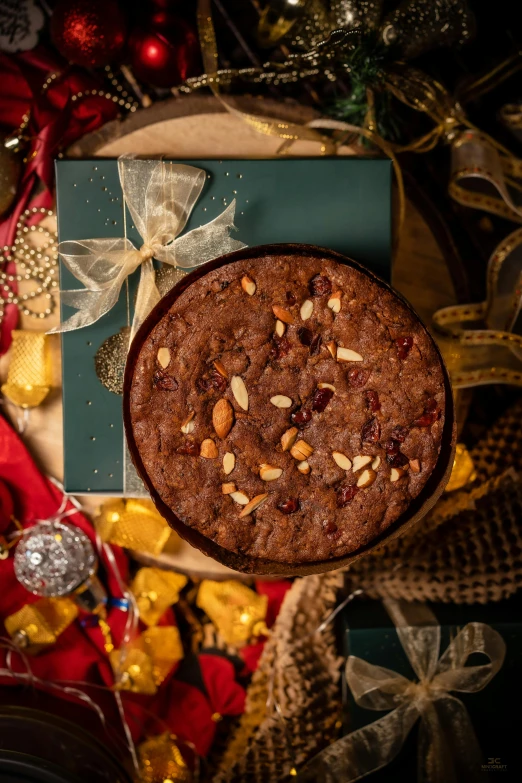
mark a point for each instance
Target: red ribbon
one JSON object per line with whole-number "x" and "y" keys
{"x": 56, "y": 122}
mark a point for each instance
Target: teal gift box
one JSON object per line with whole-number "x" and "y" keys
{"x": 367, "y": 632}
{"x": 340, "y": 203}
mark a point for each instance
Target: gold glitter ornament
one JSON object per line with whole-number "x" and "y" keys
{"x": 110, "y": 360}
{"x": 417, "y": 26}
{"x": 38, "y": 625}
{"x": 134, "y": 524}
{"x": 161, "y": 760}
{"x": 238, "y": 612}
{"x": 463, "y": 471}
{"x": 155, "y": 590}
{"x": 29, "y": 376}
{"x": 145, "y": 663}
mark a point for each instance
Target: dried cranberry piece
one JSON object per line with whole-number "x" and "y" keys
{"x": 305, "y": 336}
{"x": 371, "y": 431}
{"x": 280, "y": 348}
{"x": 192, "y": 449}
{"x": 164, "y": 382}
{"x": 202, "y": 385}
{"x": 404, "y": 345}
{"x": 217, "y": 381}
{"x": 320, "y": 286}
{"x": 346, "y": 494}
{"x": 358, "y": 378}
{"x": 431, "y": 405}
{"x": 316, "y": 345}
{"x": 372, "y": 400}
{"x": 399, "y": 433}
{"x": 391, "y": 446}
{"x": 397, "y": 460}
{"x": 430, "y": 416}
{"x": 302, "y": 416}
{"x": 290, "y": 298}
{"x": 288, "y": 506}
{"x": 321, "y": 399}
{"x": 330, "y": 529}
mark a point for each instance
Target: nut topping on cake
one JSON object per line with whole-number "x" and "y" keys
{"x": 280, "y": 328}
{"x": 222, "y": 418}
{"x": 303, "y": 467}
{"x": 360, "y": 461}
{"x": 332, "y": 348}
{"x": 396, "y": 474}
{"x": 415, "y": 466}
{"x": 284, "y": 315}
{"x": 188, "y": 424}
{"x": 239, "y": 391}
{"x": 164, "y": 357}
{"x": 254, "y": 503}
{"x": 229, "y": 462}
{"x": 281, "y": 401}
{"x": 288, "y": 438}
{"x": 301, "y": 450}
{"x": 220, "y": 368}
{"x": 347, "y": 355}
{"x": 334, "y": 303}
{"x": 228, "y": 489}
{"x": 307, "y": 309}
{"x": 208, "y": 449}
{"x": 342, "y": 460}
{"x": 239, "y": 497}
{"x": 248, "y": 285}
{"x": 366, "y": 478}
{"x": 269, "y": 472}
{"x": 376, "y": 463}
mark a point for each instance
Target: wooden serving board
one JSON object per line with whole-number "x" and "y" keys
{"x": 199, "y": 127}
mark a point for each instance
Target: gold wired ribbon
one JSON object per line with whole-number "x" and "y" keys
{"x": 479, "y": 342}
{"x": 448, "y": 750}
{"x": 160, "y": 197}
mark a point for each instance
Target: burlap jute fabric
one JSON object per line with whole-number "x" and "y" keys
{"x": 469, "y": 548}
{"x": 294, "y": 699}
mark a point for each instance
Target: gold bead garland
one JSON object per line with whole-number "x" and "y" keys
{"x": 36, "y": 264}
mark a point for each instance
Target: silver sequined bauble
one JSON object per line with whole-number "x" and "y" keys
{"x": 54, "y": 558}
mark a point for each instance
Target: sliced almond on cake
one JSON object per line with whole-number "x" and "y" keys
{"x": 188, "y": 424}
{"x": 332, "y": 348}
{"x": 269, "y": 472}
{"x": 220, "y": 368}
{"x": 284, "y": 315}
{"x": 347, "y": 355}
{"x": 163, "y": 357}
{"x": 301, "y": 450}
{"x": 366, "y": 478}
{"x": 229, "y": 462}
{"x": 334, "y": 303}
{"x": 248, "y": 285}
{"x": 228, "y": 489}
{"x": 254, "y": 503}
{"x": 208, "y": 449}
{"x": 239, "y": 391}
{"x": 415, "y": 466}
{"x": 280, "y": 328}
{"x": 306, "y": 310}
{"x": 326, "y": 386}
{"x": 281, "y": 401}
{"x": 341, "y": 460}
{"x": 360, "y": 461}
{"x": 303, "y": 467}
{"x": 288, "y": 438}
{"x": 396, "y": 474}
{"x": 239, "y": 497}
{"x": 222, "y": 418}
{"x": 376, "y": 463}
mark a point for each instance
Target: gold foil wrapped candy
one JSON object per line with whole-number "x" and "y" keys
{"x": 161, "y": 761}
{"x": 38, "y": 625}
{"x": 463, "y": 471}
{"x": 145, "y": 663}
{"x": 155, "y": 590}
{"x": 29, "y": 377}
{"x": 134, "y": 524}
{"x": 237, "y": 611}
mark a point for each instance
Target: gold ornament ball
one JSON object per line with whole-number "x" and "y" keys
{"x": 9, "y": 175}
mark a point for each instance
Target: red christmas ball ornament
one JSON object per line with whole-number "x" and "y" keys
{"x": 165, "y": 52}
{"x": 90, "y": 33}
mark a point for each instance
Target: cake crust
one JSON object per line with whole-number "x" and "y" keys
{"x": 249, "y": 320}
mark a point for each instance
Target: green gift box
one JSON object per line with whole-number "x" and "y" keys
{"x": 341, "y": 203}
{"x": 368, "y": 633}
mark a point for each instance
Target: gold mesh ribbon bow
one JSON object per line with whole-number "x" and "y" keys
{"x": 448, "y": 749}
{"x": 155, "y": 590}
{"x": 237, "y": 611}
{"x": 38, "y": 625}
{"x": 142, "y": 666}
{"x": 29, "y": 376}
{"x": 160, "y": 197}
{"x": 133, "y": 524}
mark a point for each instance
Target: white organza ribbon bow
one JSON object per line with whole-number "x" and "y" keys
{"x": 448, "y": 750}
{"x": 160, "y": 197}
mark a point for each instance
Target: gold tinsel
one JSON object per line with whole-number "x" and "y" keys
{"x": 145, "y": 663}
{"x": 155, "y": 591}
{"x": 38, "y": 625}
{"x": 237, "y": 611}
{"x": 134, "y": 524}
{"x": 161, "y": 761}
{"x": 28, "y": 380}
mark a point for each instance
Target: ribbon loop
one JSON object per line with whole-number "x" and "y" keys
{"x": 160, "y": 197}
{"x": 448, "y": 748}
